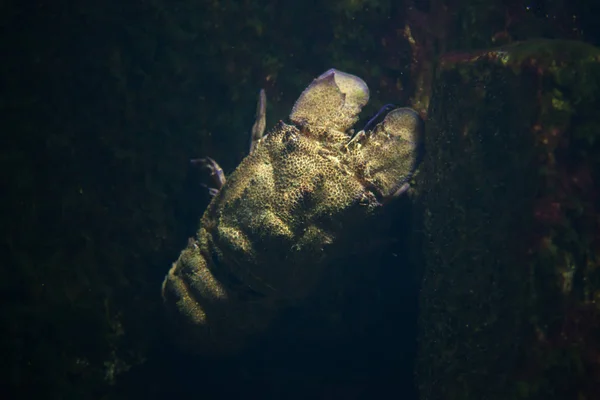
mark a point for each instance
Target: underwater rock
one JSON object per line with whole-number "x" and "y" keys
{"x": 509, "y": 188}
{"x": 304, "y": 196}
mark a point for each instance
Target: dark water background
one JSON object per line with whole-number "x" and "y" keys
{"x": 104, "y": 103}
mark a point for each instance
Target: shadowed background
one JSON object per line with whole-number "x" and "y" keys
{"x": 102, "y": 107}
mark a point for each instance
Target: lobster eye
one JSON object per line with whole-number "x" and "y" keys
{"x": 290, "y": 139}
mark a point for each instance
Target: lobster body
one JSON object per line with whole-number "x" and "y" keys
{"x": 303, "y": 197}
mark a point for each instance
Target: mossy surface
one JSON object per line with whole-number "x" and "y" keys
{"x": 508, "y": 186}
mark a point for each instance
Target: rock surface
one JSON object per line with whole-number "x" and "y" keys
{"x": 509, "y": 304}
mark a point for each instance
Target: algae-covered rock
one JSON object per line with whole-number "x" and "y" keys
{"x": 509, "y": 194}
